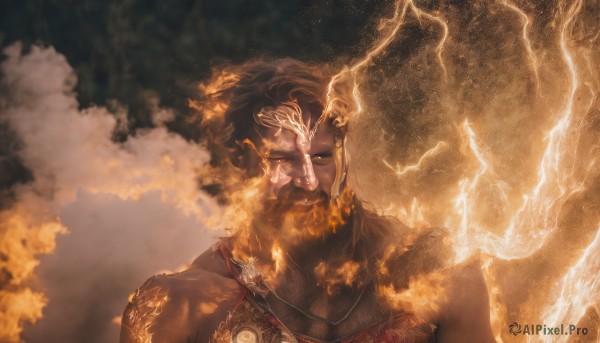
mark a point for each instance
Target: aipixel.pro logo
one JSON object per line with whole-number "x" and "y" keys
{"x": 545, "y": 330}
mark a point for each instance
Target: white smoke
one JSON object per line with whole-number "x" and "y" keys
{"x": 131, "y": 209}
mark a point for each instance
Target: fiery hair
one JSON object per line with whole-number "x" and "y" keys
{"x": 233, "y": 95}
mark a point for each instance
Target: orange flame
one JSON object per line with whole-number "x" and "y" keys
{"x": 533, "y": 219}
{"x": 421, "y": 298}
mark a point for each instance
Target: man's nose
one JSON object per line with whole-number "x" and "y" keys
{"x": 305, "y": 177}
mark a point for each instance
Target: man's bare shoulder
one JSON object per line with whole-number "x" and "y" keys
{"x": 181, "y": 307}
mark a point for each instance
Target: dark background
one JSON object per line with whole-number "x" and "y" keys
{"x": 126, "y": 50}
{"x": 132, "y": 50}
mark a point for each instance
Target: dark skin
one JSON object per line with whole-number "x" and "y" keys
{"x": 302, "y": 175}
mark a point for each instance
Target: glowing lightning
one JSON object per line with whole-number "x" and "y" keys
{"x": 440, "y": 47}
{"x": 577, "y": 290}
{"x": 436, "y": 150}
{"x": 462, "y": 202}
{"x": 397, "y": 20}
{"x": 538, "y": 215}
{"x": 532, "y": 58}
{"x": 540, "y": 202}
{"x": 396, "y": 23}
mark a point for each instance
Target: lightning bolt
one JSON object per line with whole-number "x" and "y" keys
{"x": 390, "y": 28}
{"x": 577, "y": 290}
{"x": 533, "y": 60}
{"x": 428, "y": 155}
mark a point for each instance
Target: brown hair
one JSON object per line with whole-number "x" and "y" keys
{"x": 234, "y": 94}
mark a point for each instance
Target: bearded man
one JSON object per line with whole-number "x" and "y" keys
{"x": 306, "y": 261}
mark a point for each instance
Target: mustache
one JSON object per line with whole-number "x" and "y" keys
{"x": 292, "y": 194}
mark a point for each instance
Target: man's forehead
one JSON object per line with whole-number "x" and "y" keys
{"x": 279, "y": 139}
{"x": 282, "y": 139}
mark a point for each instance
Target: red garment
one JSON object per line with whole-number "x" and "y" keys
{"x": 249, "y": 317}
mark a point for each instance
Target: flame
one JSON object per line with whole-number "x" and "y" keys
{"x": 498, "y": 309}
{"x": 148, "y": 305}
{"x": 22, "y": 238}
{"x": 71, "y": 151}
{"x": 18, "y": 307}
{"x": 413, "y": 216}
{"x": 214, "y": 109}
{"x": 344, "y": 275}
{"x": 506, "y": 223}
{"x": 277, "y": 257}
{"x": 422, "y": 298}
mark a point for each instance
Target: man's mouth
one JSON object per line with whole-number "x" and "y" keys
{"x": 305, "y": 201}
{"x": 308, "y": 202}
{"x": 300, "y": 201}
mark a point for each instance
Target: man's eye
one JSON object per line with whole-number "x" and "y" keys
{"x": 321, "y": 157}
{"x": 280, "y": 159}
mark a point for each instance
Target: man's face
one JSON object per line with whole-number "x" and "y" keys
{"x": 301, "y": 169}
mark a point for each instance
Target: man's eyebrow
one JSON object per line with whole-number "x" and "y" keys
{"x": 323, "y": 147}
{"x": 323, "y": 151}
{"x": 281, "y": 152}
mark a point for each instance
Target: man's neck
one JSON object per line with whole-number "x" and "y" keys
{"x": 315, "y": 257}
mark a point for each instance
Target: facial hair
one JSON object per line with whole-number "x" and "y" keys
{"x": 298, "y": 217}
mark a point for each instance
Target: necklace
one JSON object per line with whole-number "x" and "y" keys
{"x": 316, "y": 317}
{"x": 252, "y": 278}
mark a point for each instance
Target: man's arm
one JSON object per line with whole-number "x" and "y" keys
{"x": 465, "y": 316}
{"x": 155, "y": 313}
{"x": 179, "y": 308}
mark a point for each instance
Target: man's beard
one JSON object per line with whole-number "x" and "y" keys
{"x": 296, "y": 216}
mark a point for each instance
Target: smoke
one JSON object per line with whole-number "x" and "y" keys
{"x": 478, "y": 115}
{"x": 119, "y": 212}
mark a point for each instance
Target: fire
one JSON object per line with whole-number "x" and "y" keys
{"x": 413, "y": 215}
{"x": 513, "y": 202}
{"x": 71, "y": 152}
{"x": 277, "y": 257}
{"x": 18, "y": 307}
{"x": 332, "y": 278}
{"x": 214, "y": 109}
{"x": 148, "y": 305}
{"x": 22, "y": 239}
{"x": 422, "y": 298}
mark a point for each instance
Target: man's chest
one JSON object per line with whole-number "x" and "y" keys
{"x": 252, "y": 322}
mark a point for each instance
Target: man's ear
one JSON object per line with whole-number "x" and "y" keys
{"x": 248, "y": 158}
{"x": 237, "y": 158}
